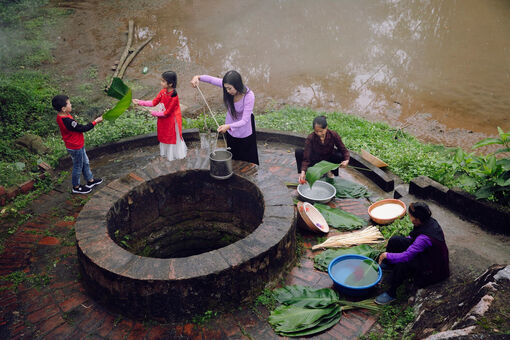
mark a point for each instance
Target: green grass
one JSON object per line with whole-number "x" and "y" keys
{"x": 393, "y": 319}
{"x": 25, "y": 24}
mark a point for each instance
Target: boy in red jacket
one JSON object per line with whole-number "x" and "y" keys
{"x": 72, "y": 134}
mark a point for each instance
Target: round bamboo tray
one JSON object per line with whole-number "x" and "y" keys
{"x": 382, "y": 202}
{"x": 312, "y": 217}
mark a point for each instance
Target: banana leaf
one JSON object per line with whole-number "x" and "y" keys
{"x": 118, "y": 89}
{"x": 322, "y": 260}
{"x": 348, "y": 189}
{"x": 303, "y": 313}
{"x": 301, "y": 296}
{"x": 325, "y": 322}
{"x": 117, "y": 110}
{"x": 318, "y": 170}
{"x": 288, "y": 320}
{"x": 340, "y": 219}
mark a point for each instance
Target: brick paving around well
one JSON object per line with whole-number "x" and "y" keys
{"x": 52, "y": 303}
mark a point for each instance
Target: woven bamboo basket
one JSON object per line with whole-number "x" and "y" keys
{"x": 312, "y": 218}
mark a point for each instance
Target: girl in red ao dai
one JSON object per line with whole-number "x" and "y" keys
{"x": 171, "y": 143}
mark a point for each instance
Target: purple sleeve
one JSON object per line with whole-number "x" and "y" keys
{"x": 418, "y": 246}
{"x": 249, "y": 101}
{"x": 211, "y": 80}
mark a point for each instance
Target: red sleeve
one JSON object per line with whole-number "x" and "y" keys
{"x": 156, "y": 100}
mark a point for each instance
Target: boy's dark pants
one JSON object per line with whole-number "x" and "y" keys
{"x": 336, "y": 158}
{"x": 401, "y": 271}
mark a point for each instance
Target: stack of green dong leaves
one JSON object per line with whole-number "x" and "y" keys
{"x": 305, "y": 311}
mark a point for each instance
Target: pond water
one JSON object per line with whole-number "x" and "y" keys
{"x": 392, "y": 60}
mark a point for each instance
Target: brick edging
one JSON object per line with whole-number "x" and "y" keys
{"x": 376, "y": 175}
{"x": 128, "y": 143}
{"x": 10, "y": 193}
{"x": 493, "y": 216}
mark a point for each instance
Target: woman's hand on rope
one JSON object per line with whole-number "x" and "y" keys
{"x": 223, "y": 128}
{"x": 195, "y": 81}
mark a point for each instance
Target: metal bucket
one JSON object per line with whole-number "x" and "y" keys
{"x": 220, "y": 164}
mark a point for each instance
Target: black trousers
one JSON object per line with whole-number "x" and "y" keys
{"x": 244, "y": 149}
{"x": 336, "y": 157}
{"x": 401, "y": 271}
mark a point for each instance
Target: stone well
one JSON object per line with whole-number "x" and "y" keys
{"x": 168, "y": 241}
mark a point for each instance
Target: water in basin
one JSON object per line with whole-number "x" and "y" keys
{"x": 355, "y": 272}
{"x": 318, "y": 192}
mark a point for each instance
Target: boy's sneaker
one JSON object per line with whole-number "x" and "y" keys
{"x": 93, "y": 183}
{"x": 81, "y": 190}
{"x": 384, "y": 299}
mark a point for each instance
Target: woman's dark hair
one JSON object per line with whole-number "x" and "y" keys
{"x": 59, "y": 101}
{"x": 171, "y": 78}
{"x": 321, "y": 121}
{"x": 420, "y": 210}
{"x": 233, "y": 78}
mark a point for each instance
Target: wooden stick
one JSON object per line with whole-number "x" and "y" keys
{"x": 126, "y": 50}
{"x": 131, "y": 56}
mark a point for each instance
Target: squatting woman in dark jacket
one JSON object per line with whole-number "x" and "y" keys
{"x": 422, "y": 255}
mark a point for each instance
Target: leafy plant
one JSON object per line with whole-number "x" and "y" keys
{"x": 504, "y": 139}
{"x": 322, "y": 260}
{"x": 402, "y": 227}
{"x": 486, "y": 176}
{"x": 340, "y": 219}
{"x": 393, "y": 320}
{"x": 18, "y": 277}
{"x": 201, "y": 319}
{"x": 305, "y": 311}
{"x": 315, "y": 172}
{"x": 267, "y": 299}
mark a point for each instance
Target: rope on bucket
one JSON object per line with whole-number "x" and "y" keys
{"x": 214, "y": 118}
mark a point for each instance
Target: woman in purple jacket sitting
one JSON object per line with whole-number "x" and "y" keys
{"x": 239, "y": 123}
{"x": 422, "y": 255}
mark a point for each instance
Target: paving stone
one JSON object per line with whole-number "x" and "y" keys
{"x": 50, "y": 324}
{"x": 43, "y": 314}
{"x": 72, "y": 302}
{"x": 96, "y": 322}
{"x": 121, "y": 330}
{"x": 64, "y": 331}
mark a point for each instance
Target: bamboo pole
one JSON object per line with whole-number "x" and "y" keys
{"x": 126, "y": 50}
{"x": 131, "y": 56}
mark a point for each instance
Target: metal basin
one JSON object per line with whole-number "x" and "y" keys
{"x": 321, "y": 192}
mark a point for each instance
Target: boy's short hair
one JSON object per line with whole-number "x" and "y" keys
{"x": 59, "y": 101}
